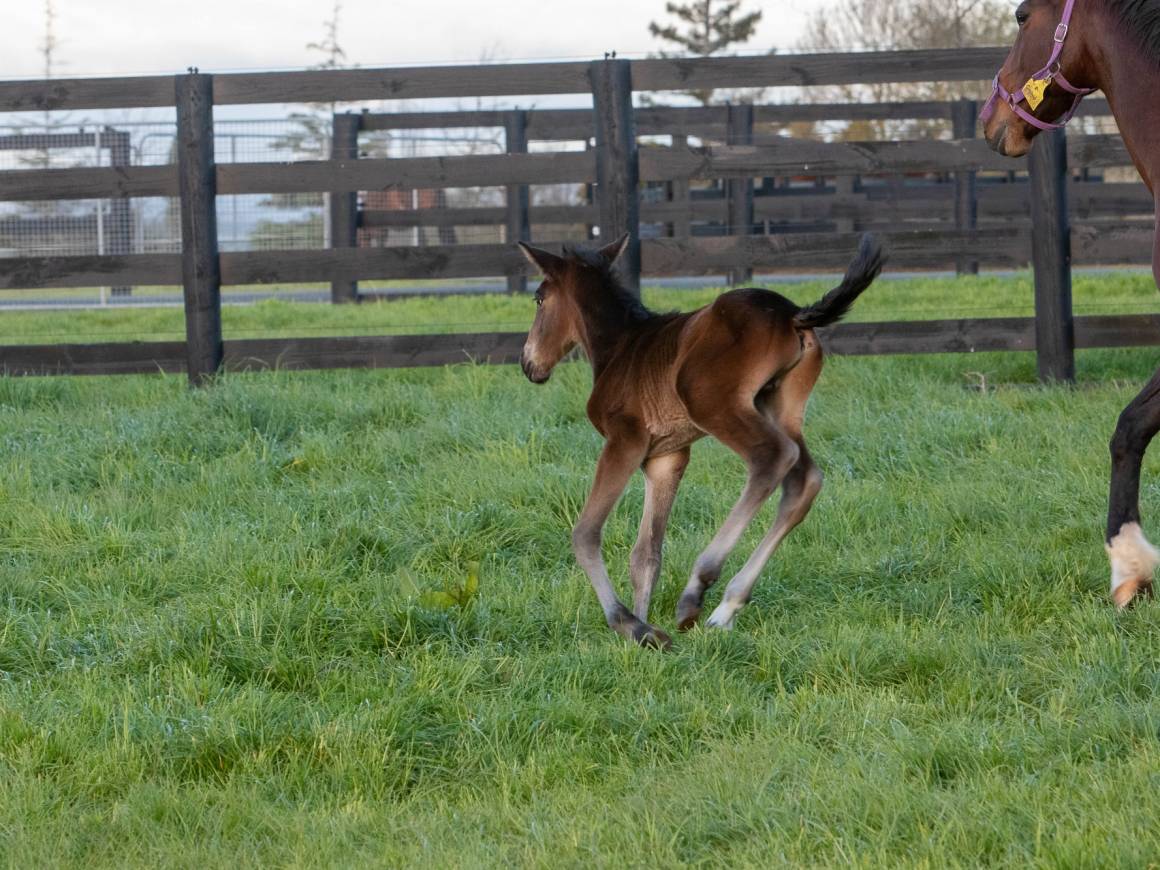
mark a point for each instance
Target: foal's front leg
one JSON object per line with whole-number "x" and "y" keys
{"x": 662, "y": 476}
{"x": 618, "y": 461}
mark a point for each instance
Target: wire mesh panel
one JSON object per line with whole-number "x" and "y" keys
{"x": 255, "y": 222}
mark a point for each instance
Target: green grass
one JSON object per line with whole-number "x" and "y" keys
{"x": 904, "y": 299}
{"x": 214, "y": 652}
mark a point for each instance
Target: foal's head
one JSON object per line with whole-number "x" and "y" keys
{"x": 1040, "y": 27}
{"x": 569, "y": 282}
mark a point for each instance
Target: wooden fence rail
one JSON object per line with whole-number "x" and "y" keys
{"x": 397, "y": 351}
{"x": 1005, "y": 247}
{"x": 548, "y": 125}
{"x": 496, "y": 80}
{"x": 788, "y": 157}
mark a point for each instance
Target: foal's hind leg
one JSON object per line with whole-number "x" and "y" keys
{"x": 1133, "y": 558}
{"x": 769, "y": 453}
{"x": 618, "y": 461}
{"x": 799, "y": 489}
{"x": 662, "y": 476}
{"x": 801, "y": 486}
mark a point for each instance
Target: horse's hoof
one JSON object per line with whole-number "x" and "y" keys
{"x": 1134, "y": 561}
{"x": 651, "y": 637}
{"x": 688, "y": 612}
{"x": 1131, "y": 591}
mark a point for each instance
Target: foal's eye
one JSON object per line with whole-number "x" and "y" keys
{"x": 539, "y": 300}
{"x": 1021, "y": 16}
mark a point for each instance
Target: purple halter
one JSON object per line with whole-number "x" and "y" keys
{"x": 1051, "y": 72}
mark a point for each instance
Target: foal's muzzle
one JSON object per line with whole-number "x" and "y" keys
{"x": 533, "y": 374}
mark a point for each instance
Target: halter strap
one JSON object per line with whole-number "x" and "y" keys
{"x": 1050, "y": 72}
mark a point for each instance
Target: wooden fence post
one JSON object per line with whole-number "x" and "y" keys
{"x": 617, "y": 163}
{"x": 344, "y": 203}
{"x": 518, "y": 223}
{"x": 120, "y": 212}
{"x": 589, "y": 194}
{"x": 739, "y": 191}
{"x": 1051, "y": 258}
{"x": 963, "y": 125}
{"x": 200, "y": 267}
{"x": 845, "y": 188}
{"x": 682, "y": 226}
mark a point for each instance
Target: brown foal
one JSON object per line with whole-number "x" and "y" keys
{"x": 740, "y": 369}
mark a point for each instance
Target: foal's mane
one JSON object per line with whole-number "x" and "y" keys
{"x": 1141, "y": 18}
{"x": 625, "y": 299}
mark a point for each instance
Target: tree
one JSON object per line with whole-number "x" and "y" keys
{"x": 48, "y": 50}
{"x": 885, "y": 25}
{"x": 704, "y": 28}
{"x": 310, "y": 137}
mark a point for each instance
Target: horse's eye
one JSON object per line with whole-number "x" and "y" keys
{"x": 539, "y": 300}
{"x": 1021, "y": 16}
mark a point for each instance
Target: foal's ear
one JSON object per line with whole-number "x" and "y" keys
{"x": 546, "y": 261}
{"x": 612, "y": 252}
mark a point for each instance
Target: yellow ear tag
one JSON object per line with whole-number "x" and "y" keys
{"x": 1034, "y": 91}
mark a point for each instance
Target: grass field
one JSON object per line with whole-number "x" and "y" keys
{"x": 219, "y": 645}
{"x": 905, "y": 299}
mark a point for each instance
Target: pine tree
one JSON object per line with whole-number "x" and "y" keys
{"x": 48, "y": 52}
{"x": 704, "y": 28}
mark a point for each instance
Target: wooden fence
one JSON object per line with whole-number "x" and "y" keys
{"x": 616, "y": 166}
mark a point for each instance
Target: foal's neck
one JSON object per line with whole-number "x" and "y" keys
{"x": 609, "y": 316}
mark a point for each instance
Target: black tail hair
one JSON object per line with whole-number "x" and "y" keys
{"x": 836, "y": 304}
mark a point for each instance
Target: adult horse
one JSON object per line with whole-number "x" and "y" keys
{"x": 1067, "y": 49}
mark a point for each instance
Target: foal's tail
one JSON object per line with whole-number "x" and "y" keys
{"x": 834, "y": 305}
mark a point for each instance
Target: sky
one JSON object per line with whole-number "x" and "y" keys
{"x": 103, "y": 37}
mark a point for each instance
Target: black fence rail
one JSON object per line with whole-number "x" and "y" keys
{"x": 960, "y": 223}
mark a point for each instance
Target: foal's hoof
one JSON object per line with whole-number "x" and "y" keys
{"x": 688, "y": 612}
{"x": 628, "y": 626}
{"x": 651, "y": 637}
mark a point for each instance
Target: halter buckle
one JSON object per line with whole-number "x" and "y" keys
{"x": 1061, "y": 32}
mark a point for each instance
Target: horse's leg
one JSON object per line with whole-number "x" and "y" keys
{"x": 662, "y": 476}
{"x": 769, "y": 454}
{"x": 1133, "y": 558}
{"x": 799, "y": 489}
{"x": 618, "y": 461}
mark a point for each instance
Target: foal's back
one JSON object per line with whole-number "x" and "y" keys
{"x": 735, "y": 347}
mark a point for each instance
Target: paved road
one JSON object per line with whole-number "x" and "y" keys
{"x": 48, "y": 302}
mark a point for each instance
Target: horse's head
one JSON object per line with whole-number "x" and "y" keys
{"x": 559, "y": 323}
{"x": 1047, "y": 71}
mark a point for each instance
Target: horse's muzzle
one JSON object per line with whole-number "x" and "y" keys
{"x": 998, "y": 139}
